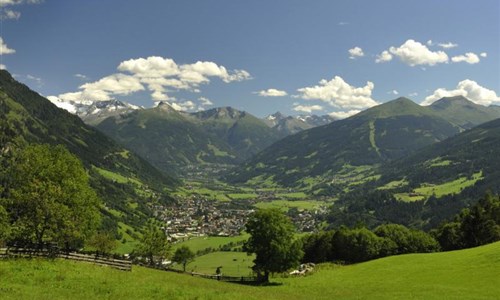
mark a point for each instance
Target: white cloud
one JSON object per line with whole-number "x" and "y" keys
{"x": 469, "y": 57}
{"x": 307, "y": 108}
{"x": 116, "y": 84}
{"x": 448, "y": 45}
{"x": 343, "y": 114}
{"x": 430, "y": 43}
{"x": 157, "y": 74}
{"x": 483, "y": 54}
{"x": 414, "y": 53}
{"x": 393, "y": 92}
{"x": 4, "y": 49}
{"x": 205, "y": 102}
{"x": 8, "y": 14}
{"x": 383, "y": 57}
{"x": 356, "y": 52}
{"x": 338, "y": 93}
{"x": 3, "y": 67}
{"x": 272, "y": 93}
{"x": 153, "y": 66}
{"x": 161, "y": 74}
{"x": 343, "y": 23}
{"x": 414, "y": 94}
{"x": 81, "y": 76}
{"x": 467, "y": 88}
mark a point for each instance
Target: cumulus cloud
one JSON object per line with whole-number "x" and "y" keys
{"x": 9, "y": 14}
{"x": 4, "y": 49}
{"x": 307, "y": 108}
{"x": 271, "y": 93}
{"x": 343, "y": 114}
{"x": 483, "y": 54}
{"x": 338, "y": 93}
{"x": 356, "y": 52}
{"x": 119, "y": 84}
{"x": 469, "y": 57}
{"x": 413, "y": 53}
{"x": 467, "y": 88}
{"x": 448, "y": 45}
{"x": 158, "y": 75}
{"x": 3, "y": 67}
{"x": 383, "y": 57}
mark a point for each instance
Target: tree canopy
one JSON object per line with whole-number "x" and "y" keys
{"x": 272, "y": 240}
{"x": 48, "y": 197}
{"x": 183, "y": 255}
{"x": 154, "y": 245}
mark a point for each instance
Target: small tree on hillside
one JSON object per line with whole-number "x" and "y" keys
{"x": 103, "y": 242}
{"x": 183, "y": 255}
{"x": 154, "y": 245}
{"x": 272, "y": 240}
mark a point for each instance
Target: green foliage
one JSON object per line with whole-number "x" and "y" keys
{"x": 154, "y": 245}
{"x": 473, "y": 227}
{"x": 49, "y": 197}
{"x": 361, "y": 244}
{"x": 4, "y": 225}
{"x": 407, "y": 240}
{"x": 272, "y": 240}
{"x": 183, "y": 255}
{"x": 103, "y": 242}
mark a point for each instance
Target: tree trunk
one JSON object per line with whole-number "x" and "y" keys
{"x": 266, "y": 276}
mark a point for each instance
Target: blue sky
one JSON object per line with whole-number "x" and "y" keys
{"x": 297, "y": 57}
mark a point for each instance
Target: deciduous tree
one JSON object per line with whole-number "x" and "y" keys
{"x": 272, "y": 239}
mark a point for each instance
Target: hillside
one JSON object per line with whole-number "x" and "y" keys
{"x": 464, "y": 274}
{"x": 471, "y": 152}
{"x": 377, "y": 135}
{"x": 124, "y": 181}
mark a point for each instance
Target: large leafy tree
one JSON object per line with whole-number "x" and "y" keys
{"x": 154, "y": 245}
{"x": 48, "y": 197}
{"x": 272, "y": 239}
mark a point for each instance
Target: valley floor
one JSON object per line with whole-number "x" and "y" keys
{"x": 466, "y": 274}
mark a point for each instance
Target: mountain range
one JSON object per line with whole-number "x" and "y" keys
{"x": 373, "y": 137}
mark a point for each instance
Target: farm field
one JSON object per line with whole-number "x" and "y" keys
{"x": 464, "y": 274}
{"x": 232, "y": 263}
{"x": 200, "y": 243}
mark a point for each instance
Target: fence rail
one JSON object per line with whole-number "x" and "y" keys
{"x": 124, "y": 265}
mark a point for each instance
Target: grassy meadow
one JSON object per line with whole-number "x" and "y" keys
{"x": 464, "y": 274}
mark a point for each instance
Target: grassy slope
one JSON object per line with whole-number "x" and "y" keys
{"x": 466, "y": 274}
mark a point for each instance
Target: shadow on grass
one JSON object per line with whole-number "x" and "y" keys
{"x": 256, "y": 283}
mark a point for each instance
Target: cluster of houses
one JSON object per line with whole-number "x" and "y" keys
{"x": 199, "y": 216}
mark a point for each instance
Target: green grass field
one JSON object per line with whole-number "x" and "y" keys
{"x": 439, "y": 190}
{"x": 465, "y": 274}
{"x": 214, "y": 242}
{"x": 232, "y": 263}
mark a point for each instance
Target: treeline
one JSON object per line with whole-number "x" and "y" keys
{"x": 360, "y": 244}
{"x": 472, "y": 227}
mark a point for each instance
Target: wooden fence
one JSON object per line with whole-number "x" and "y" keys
{"x": 124, "y": 265}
